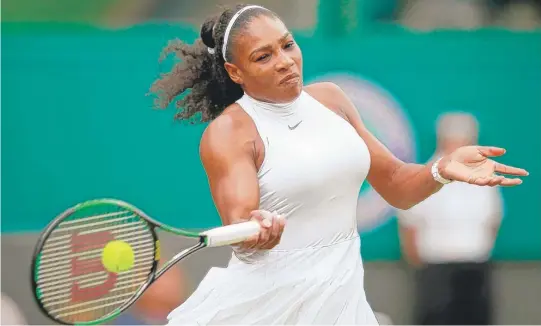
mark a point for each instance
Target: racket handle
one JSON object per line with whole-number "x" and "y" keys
{"x": 230, "y": 234}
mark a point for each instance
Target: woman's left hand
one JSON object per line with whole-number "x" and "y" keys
{"x": 472, "y": 164}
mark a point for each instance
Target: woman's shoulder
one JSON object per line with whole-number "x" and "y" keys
{"x": 322, "y": 86}
{"x": 232, "y": 121}
{"x": 231, "y": 129}
{"x": 327, "y": 93}
{"x": 330, "y": 95}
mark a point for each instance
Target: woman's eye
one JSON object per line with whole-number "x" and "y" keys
{"x": 262, "y": 57}
{"x": 289, "y": 44}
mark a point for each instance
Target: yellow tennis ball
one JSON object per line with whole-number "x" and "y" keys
{"x": 117, "y": 256}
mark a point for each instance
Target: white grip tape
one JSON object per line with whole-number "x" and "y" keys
{"x": 230, "y": 234}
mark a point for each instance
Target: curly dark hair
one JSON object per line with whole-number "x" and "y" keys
{"x": 201, "y": 72}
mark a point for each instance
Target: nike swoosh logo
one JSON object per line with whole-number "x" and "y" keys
{"x": 295, "y": 126}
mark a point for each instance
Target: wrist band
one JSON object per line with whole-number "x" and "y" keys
{"x": 436, "y": 174}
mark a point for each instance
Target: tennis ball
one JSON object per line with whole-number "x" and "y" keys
{"x": 117, "y": 256}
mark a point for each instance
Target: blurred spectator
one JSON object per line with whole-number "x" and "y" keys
{"x": 431, "y": 14}
{"x": 164, "y": 295}
{"x": 515, "y": 14}
{"x": 469, "y": 14}
{"x": 10, "y": 312}
{"x": 449, "y": 238}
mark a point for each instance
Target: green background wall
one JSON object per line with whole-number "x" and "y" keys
{"x": 76, "y": 123}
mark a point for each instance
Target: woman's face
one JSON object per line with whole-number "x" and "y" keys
{"x": 267, "y": 62}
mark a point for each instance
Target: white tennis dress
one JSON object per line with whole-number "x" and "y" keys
{"x": 314, "y": 166}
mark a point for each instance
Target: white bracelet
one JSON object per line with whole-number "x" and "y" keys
{"x": 436, "y": 174}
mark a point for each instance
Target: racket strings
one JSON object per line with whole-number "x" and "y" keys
{"x": 73, "y": 285}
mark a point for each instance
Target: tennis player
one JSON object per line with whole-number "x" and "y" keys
{"x": 302, "y": 153}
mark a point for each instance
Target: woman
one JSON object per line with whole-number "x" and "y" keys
{"x": 301, "y": 152}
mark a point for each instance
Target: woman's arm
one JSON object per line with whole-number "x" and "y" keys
{"x": 227, "y": 154}
{"x": 404, "y": 185}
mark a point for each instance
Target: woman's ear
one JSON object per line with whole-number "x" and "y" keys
{"x": 234, "y": 73}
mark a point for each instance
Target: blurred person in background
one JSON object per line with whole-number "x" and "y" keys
{"x": 449, "y": 238}
{"x": 168, "y": 292}
{"x": 470, "y": 14}
{"x": 515, "y": 14}
{"x": 431, "y": 14}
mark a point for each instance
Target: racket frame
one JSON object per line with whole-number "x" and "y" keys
{"x": 153, "y": 275}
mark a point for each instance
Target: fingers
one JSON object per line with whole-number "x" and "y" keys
{"x": 491, "y": 151}
{"x": 498, "y": 167}
{"x": 276, "y": 231}
{"x": 506, "y": 169}
{"x": 487, "y": 181}
{"x": 271, "y": 236}
{"x": 265, "y": 223}
{"x": 272, "y": 226}
{"x": 510, "y": 182}
{"x": 480, "y": 181}
{"x": 249, "y": 243}
{"x": 496, "y": 180}
{"x": 263, "y": 217}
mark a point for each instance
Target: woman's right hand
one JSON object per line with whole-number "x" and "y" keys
{"x": 272, "y": 226}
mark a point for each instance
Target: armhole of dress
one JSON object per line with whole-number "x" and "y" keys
{"x": 247, "y": 107}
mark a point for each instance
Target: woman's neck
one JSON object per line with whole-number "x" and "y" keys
{"x": 281, "y": 108}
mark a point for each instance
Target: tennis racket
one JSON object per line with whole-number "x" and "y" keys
{"x": 69, "y": 280}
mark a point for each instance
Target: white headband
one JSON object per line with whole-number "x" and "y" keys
{"x": 230, "y": 25}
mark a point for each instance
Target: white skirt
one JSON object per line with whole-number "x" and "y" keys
{"x": 318, "y": 285}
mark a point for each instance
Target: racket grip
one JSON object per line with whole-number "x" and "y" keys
{"x": 230, "y": 234}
